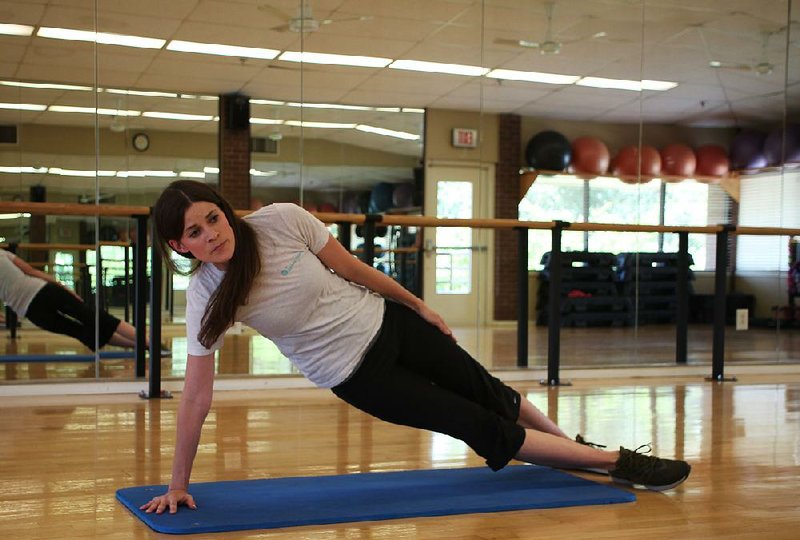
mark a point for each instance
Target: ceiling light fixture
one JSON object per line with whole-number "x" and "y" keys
{"x": 330, "y": 106}
{"x": 19, "y": 170}
{"x": 102, "y": 38}
{"x": 222, "y": 50}
{"x": 532, "y": 76}
{"x": 16, "y": 29}
{"x": 45, "y": 86}
{"x": 323, "y": 125}
{"x": 265, "y": 121}
{"x": 23, "y": 106}
{"x": 335, "y": 59}
{"x": 178, "y": 116}
{"x": 256, "y": 172}
{"x": 437, "y": 67}
{"x": 625, "y": 84}
{"x": 266, "y": 102}
{"x": 84, "y": 173}
{"x": 140, "y": 93}
{"x": 388, "y": 132}
{"x": 92, "y": 110}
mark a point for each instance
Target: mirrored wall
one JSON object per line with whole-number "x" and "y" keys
{"x": 419, "y": 108}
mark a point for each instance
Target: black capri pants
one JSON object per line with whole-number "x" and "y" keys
{"x": 56, "y": 310}
{"x": 416, "y": 376}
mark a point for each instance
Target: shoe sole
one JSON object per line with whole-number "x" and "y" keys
{"x": 604, "y": 472}
{"x": 648, "y": 487}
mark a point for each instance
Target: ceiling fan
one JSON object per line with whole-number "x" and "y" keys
{"x": 304, "y": 20}
{"x": 762, "y": 67}
{"x": 549, "y": 45}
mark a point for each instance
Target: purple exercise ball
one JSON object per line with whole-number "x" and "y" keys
{"x": 747, "y": 150}
{"x": 773, "y": 149}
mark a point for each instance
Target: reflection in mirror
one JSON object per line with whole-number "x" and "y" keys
{"x": 726, "y": 72}
{"x": 105, "y": 118}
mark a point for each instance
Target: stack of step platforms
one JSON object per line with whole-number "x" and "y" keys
{"x": 588, "y": 295}
{"x": 655, "y": 276}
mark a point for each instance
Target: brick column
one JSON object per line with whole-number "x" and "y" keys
{"x": 37, "y": 233}
{"x": 507, "y": 206}
{"x": 234, "y": 149}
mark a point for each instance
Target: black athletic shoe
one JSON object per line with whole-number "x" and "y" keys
{"x": 636, "y": 469}
{"x": 580, "y": 440}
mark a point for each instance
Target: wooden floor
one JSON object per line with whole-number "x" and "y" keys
{"x": 62, "y": 458}
{"x": 495, "y": 346}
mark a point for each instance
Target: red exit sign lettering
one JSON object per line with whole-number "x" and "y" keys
{"x": 465, "y": 138}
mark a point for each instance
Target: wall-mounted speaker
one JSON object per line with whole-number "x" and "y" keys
{"x": 237, "y": 111}
{"x": 38, "y": 194}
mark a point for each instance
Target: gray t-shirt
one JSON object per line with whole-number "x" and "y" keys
{"x": 17, "y": 288}
{"x": 321, "y": 322}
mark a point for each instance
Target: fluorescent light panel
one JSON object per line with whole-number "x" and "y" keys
{"x": 330, "y": 106}
{"x": 323, "y": 125}
{"x": 16, "y": 29}
{"x": 625, "y": 84}
{"x": 388, "y": 132}
{"x": 660, "y": 86}
{"x": 256, "y": 172}
{"x": 142, "y": 93}
{"x": 222, "y": 50}
{"x": 18, "y": 170}
{"x": 178, "y": 116}
{"x": 335, "y": 59}
{"x": 142, "y": 174}
{"x": 23, "y": 106}
{"x": 266, "y": 121}
{"x": 266, "y": 102}
{"x": 74, "y": 172}
{"x": 436, "y": 67}
{"x": 102, "y": 38}
{"x": 46, "y": 86}
{"x": 92, "y": 110}
{"x": 532, "y": 76}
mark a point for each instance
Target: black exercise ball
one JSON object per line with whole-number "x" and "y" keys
{"x": 548, "y": 151}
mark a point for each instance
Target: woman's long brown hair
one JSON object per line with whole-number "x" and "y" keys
{"x": 169, "y": 212}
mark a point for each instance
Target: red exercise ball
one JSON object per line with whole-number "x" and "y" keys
{"x": 712, "y": 160}
{"x": 328, "y": 207}
{"x": 589, "y": 155}
{"x": 627, "y": 160}
{"x": 678, "y": 160}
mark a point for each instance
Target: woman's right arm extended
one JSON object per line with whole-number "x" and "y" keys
{"x": 194, "y": 406}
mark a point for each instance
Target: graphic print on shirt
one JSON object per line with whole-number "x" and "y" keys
{"x": 288, "y": 269}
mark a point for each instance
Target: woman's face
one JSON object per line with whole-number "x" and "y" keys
{"x": 206, "y": 234}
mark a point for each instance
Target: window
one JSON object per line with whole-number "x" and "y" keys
{"x": 454, "y": 244}
{"x": 767, "y": 201}
{"x": 609, "y": 200}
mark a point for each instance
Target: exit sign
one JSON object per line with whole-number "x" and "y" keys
{"x": 465, "y": 138}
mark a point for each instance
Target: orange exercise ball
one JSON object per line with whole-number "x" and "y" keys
{"x": 589, "y": 155}
{"x": 328, "y": 207}
{"x": 678, "y": 160}
{"x": 627, "y": 161}
{"x": 712, "y": 160}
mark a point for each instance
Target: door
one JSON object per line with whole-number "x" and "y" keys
{"x": 456, "y": 260}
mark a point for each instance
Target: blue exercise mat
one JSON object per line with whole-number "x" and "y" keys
{"x": 317, "y": 500}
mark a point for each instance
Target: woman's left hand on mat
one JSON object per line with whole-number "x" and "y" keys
{"x": 171, "y": 499}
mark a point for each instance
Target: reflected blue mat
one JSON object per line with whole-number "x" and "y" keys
{"x": 317, "y": 500}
